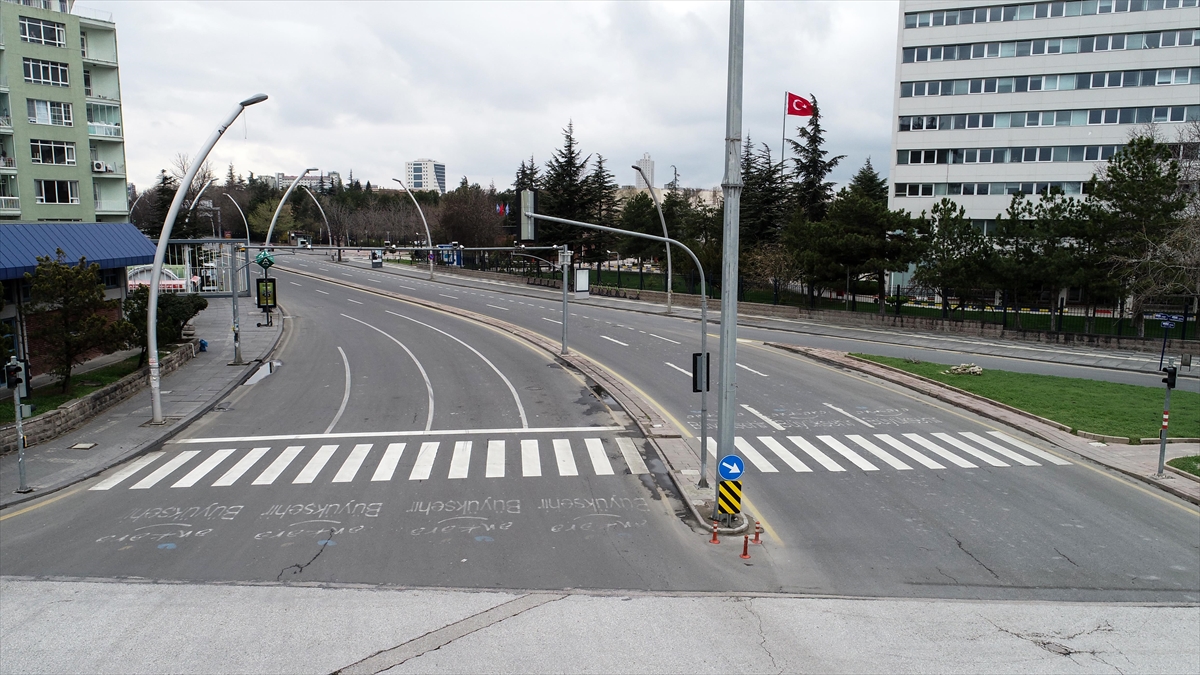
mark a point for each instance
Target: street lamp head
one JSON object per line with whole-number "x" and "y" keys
{"x": 636, "y": 168}
{"x": 257, "y": 98}
{"x": 311, "y": 169}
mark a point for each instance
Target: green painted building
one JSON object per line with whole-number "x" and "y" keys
{"x": 62, "y": 149}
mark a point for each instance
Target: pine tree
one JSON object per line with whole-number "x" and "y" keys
{"x": 765, "y": 200}
{"x": 813, "y": 191}
{"x": 564, "y": 192}
{"x": 869, "y": 184}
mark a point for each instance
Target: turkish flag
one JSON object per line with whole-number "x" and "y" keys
{"x": 798, "y": 105}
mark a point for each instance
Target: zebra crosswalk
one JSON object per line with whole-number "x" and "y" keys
{"x": 833, "y": 454}
{"x": 253, "y": 466}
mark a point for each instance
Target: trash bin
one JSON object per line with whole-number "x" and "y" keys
{"x": 204, "y": 345}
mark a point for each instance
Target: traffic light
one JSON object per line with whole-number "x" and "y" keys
{"x": 1169, "y": 380}
{"x": 12, "y": 374}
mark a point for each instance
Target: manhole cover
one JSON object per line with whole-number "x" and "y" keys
{"x": 83, "y": 446}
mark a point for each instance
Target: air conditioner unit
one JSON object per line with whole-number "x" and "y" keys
{"x": 99, "y": 167}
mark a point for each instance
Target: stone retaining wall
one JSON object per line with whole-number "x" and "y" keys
{"x": 72, "y": 414}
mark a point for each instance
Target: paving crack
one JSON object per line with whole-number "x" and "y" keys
{"x": 1053, "y": 642}
{"x": 300, "y": 568}
{"x": 1064, "y": 556}
{"x": 964, "y": 550}
{"x": 762, "y": 643}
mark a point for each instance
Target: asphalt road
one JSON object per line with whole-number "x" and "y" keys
{"x": 864, "y": 488}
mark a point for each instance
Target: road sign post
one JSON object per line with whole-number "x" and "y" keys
{"x": 729, "y": 497}
{"x": 14, "y": 376}
{"x": 564, "y": 264}
{"x": 1171, "y": 372}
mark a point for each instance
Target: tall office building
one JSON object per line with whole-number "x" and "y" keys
{"x": 647, "y": 165}
{"x": 426, "y": 174}
{"x": 992, "y": 100}
{"x": 62, "y": 154}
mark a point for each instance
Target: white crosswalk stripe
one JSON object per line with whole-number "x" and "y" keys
{"x": 196, "y": 466}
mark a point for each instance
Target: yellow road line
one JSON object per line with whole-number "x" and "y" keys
{"x": 39, "y": 505}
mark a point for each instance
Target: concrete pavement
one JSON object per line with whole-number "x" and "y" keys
{"x": 122, "y": 431}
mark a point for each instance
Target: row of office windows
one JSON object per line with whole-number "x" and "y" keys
{"x": 1051, "y": 118}
{"x": 1023, "y": 83}
{"x": 1037, "y": 10}
{"x": 42, "y": 32}
{"x": 1058, "y": 153}
{"x": 56, "y": 191}
{"x": 60, "y": 153}
{"x": 52, "y": 73}
{"x": 54, "y": 113}
{"x": 1068, "y": 45}
{"x": 948, "y": 189}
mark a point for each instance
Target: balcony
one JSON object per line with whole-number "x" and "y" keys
{"x": 10, "y": 204}
{"x": 6, "y": 123}
{"x": 8, "y": 164}
{"x": 104, "y": 130}
{"x": 112, "y": 206}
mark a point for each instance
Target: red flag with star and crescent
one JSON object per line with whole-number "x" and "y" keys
{"x": 798, "y": 105}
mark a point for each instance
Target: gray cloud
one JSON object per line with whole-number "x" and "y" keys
{"x": 481, "y": 86}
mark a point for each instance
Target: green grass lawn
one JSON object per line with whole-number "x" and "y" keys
{"x": 1188, "y": 464}
{"x": 1106, "y": 408}
{"x": 50, "y": 397}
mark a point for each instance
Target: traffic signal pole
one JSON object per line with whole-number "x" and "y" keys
{"x": 1169, "y": 380}
{"x": 12, "y": 376}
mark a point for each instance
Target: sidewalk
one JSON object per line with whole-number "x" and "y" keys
{"x": 123, "y": 431}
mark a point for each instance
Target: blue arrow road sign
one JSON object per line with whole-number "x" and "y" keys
{"x": 1169, "y": 317}
{"x": 1167, "y": 324}
{"x": 731, "y": 467}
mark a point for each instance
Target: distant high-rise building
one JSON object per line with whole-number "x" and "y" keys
{"x": 647, "y": 165}
{"x": 426, "y": 174}
{"x": 64, "y": 159}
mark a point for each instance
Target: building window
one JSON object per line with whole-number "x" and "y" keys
{"x": 52, "y": 152}
{"x": 1067, "y": 45}
{"x": 83, "y": 44}
{"x": 1066, "y": 82}
{"x": 41, "y": 32}
{"x": 49, "y": 112}
{"x": 56, "y": 191}
{"x": 87, "y": 83}
{"x": 46, "y": 72}
{"x": 1050, "y": 118}
{"x": 103, "y": 120}
{"x": 1037, "y": 10}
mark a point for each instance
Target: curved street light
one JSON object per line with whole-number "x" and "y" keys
{"x": 278, "y": 209}
{"x": 664, "y": 226}
{"x": 428, "y": 237}
{"x": 318, "y": 203}
{"x": 160, "y": 253}
{"x": 196, "y": 201}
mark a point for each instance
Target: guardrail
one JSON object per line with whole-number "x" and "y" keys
{"x": 10, "y": 203}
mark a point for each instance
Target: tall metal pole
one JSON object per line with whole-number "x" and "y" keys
{"x": 22, "y": 487}
{"x": 732, "y": 188}
{"x": 323, "y": 217}
{"x": 703, "y": 327}
{"x": 564, "y": 263}
{"x": 283, "y": 201}
{"x": 237, "y": 327}
{"x": 196, "y": 201}
{"x": 161, "y": 253}
{"x": 247, "y": 224}
{"x": 428, "y": 237}
{"x": 665, "y": 235}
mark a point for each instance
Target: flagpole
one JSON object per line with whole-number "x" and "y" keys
{"x": 783, "y": 136}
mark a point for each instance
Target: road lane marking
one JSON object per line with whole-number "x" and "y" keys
{"x": 164, "y": 470}
{"x": 387, "y": 465}
{"x": 637, "y": 465}
{"x": 119, "y": 476}
{"x": 391, "y": 434}
{"x": 531, "y": 460}
{"x": 816, "y": 453}
{"x": 550, "y": 320}
{"x": 353, "y": 463}
{"x": 879, "y": 452}
{"x": 345, "y": 392}
{"x": 375, "y": 280}
{"x": 855, "y": 458}
{"x": 753, "y": 455}
{"x": 511, "y": 388}
{"x": 995, "y": 447}
{"x": 623, "y": 344}
{"x": 564, "y": 458}
{"x": 678, "y": 368}
{"x": 293, "y": 283}
{"x": 420, "y": 368}
{"x": 783, "y": 453}
{"x": 661, "y": 338}
{"x": 347, "y": 275}
{"x": 969, "y": 449}
{"x": 39, "y": 504}
{"x": 503, "y": 309}
{"x": 902, "y": 447}
{"x": 774, "y": 425}
{"x": 322, "y": 269}
{"x": 408, "y": 287}
{"x": 495, "y": 460}
{"x": 309, "y": 473}
{"x": 1029, "y": 448}
{"x": 281, "y": 462}
{"x": 745, "y": 367}
{"x": 834, "y": 407}
{"x": 460, "y": 461}
{"x": 448, "y": 296}
{"x": 600, "y": 463}
{"x": 243, "y": 465}
{"x": 203, "y": 468}
{"x": 940, "y": 451}
{"x": 424, "y": 464}
{"x": 354, "y": 301}
{"x": 320, "y": 291}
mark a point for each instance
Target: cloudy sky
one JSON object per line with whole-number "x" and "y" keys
{"x": 481, "y": 86}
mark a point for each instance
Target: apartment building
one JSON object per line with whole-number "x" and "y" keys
{"x": 62, "y": 150}
{"x": 992, "y": 100}
{"x": 426, "y": 174}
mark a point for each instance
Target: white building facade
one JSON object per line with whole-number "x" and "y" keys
{"x": 647, "y": 165}
{"x": 426, "y": 174}
{"x": 992, "y": 100}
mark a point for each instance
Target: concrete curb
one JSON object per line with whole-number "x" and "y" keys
{"x": 645, "y": 415}
{"x": 1185, "y": 474}
{"x": 981, "y": 406}
{"x": 167, "y": 433}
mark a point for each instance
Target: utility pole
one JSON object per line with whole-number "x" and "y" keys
{"x": 731, "y": 185}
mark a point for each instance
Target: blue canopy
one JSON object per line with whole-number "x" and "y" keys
{"x": 108, "y": 245}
